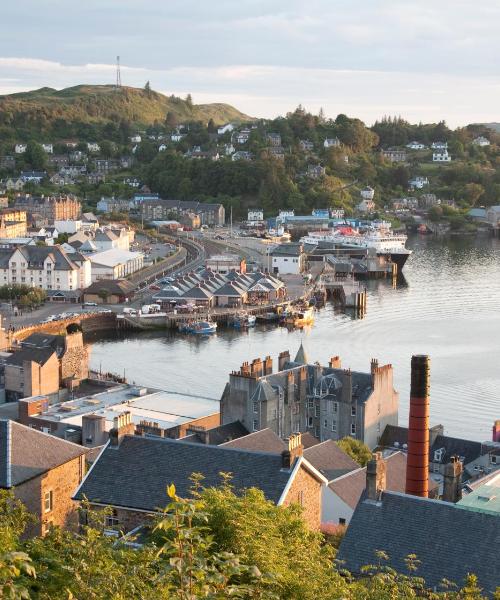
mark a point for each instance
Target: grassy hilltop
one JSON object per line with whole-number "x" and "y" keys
{"x": 40, "y": 111}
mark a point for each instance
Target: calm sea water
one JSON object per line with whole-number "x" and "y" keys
{"x": 447, "y": 306}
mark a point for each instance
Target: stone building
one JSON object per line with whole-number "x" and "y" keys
{"x": 45, "y": 210}
{"x": 328, "y": 402}
{"x": 43, "y": 472}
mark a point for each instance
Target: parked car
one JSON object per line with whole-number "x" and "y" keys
{"x": 90, "y": 304}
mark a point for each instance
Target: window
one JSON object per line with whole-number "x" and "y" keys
{"x": 335, "y": 407}
{"x": 325, "y": 423}
{"x": 309, "y": 422}
{"x": 334, "y": 425}
{"x": 255, "y": 425}
{"x": 310, "y": 403}
{"x": 353, "y": 428}
{"x": 341, "y": 521}
{"x": 353, "y": 410}
{"x": 316, "y": 411}
{"x": 255, "y": 407}
{"x": 300, "y": 497}
{"x": 112, "y": 520}
{"x": 48, "y": 500}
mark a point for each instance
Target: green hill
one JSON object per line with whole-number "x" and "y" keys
{"x": 37, "y": 111}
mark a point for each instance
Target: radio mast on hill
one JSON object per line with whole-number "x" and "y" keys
{"x": 118, "y": 74}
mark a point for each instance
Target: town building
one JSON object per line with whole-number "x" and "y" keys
{"x": 227, "y": 128}
{"x": 493, "y": 216}
{"x": 315, "y": 171}
{"x": 439, "y": 145}
{"x": 277, "y": 152}
{"x": 274, "y": 139}
{"x": 441, "y": 156}
{"x": 108, "y": 291}
{"x": 224, "y": 263}
{"x": 255, "y": 217}
{"x": 88, "y": 419}
{"x": 13, "y": 223}
{"x": 449, "y": 540}
{"x": 45, "y": 210}
{"x": 115, "y": 263}
{"x": 109, "y": 205}
{"x": 93, "y": 147}
{"x": 43, "y": 472}
{"x": 418, "y": 182}
{"x": 161, "y": 210}
{"x": 306, "y": 145}
{"x": 415, "y": 146}
{"x": 241, "y": 155}
{"x": 233, "y": 289}
{"x": 327, "y": 402}
{"x": 109, "y": 239}
{"x": 118, "y": 478}
{"x": 20, "y": 148}
{"x": 243, "y": 136}
{"x": 46, "y": 267}
{"x": 394, "y": 155}
{"x": 481, "y": 141}
{"x": 331, "y": 143}
{"x": 31, "y": 371}
{"x": 288, "y": 258}
{"x": 33, "y": 176}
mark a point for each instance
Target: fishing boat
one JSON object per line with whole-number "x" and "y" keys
{"x": 268, "y": 317}
{"x": 243, "y": 319}
{"x": 300, "y": 316}
{"x": 199, "y": 327}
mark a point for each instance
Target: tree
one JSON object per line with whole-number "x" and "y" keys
{"x": 147, "y": 89}
{"x": 36, "y": 156}
{"x": 211, "y": 127}
{"x": 356, "y": 449}
{"x": 103, "y": 295}
{"x": 171, "y": 120}
{"x": 189, "y": 101}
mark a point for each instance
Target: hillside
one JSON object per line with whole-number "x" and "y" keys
{"x": 493, "y": 126}
{"x": 39, "y": 110}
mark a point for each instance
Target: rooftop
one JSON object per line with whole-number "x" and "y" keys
{"x": 168, "y": 409}
{"x": 484, "y": 498}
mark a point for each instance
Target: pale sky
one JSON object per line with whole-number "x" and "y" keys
{"x": 426, "y": 60}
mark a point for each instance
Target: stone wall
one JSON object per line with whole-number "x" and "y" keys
{"x": 75, "y": 360}
{"x": 62, "y": 481}
{"x": 306, "y": 491}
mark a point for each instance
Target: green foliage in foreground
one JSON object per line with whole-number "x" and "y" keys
{"x": 217, "y": 545}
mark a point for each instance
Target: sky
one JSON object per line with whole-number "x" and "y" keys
{"x": 426, "y": 61}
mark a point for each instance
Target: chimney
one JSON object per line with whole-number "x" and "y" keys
{"x": 417, "y": 466}
{"x": 268, "y": 365}
{"x": 122, "y": 425}
{"x": 295, "y": 450}
{"x": 256, "y": 368}
{"x": 335, "y": 362}
{"x": 373, "y": 365}
{"x": 496, "y": 431}
{"x": 452, "y": 490}
{"x": 283, "y": 358}
{"x": 376, "y": 472}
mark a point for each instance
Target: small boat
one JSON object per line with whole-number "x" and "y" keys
{"x": 199, "y": 327}
{"x": 243, "y": 319}
{"x": 268, "y": 317}
{"x": 300, "y": 316}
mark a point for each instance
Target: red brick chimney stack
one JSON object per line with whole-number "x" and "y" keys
{"x": 417, "y": 466}
{"x": 295, "y": 450}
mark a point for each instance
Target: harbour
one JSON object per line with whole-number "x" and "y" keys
{"x": 445, "y": 305}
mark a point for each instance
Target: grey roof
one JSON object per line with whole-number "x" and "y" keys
{"x": 37, "y": 355}
{"x": 119, "y": 476}
{"x": 220, "y": 435}
{"x": 330, "y": 460}
{"x": 450, "y": 541}
{"x": 36, "y": 256}
{"x": 301, "y": 357}
{"x": 26, "y": 453}
{"x": 43, "y": 340}
{"x": 468, "y": 449}
{"x": 264, "y": 440}
{"x": 289, "y": 249}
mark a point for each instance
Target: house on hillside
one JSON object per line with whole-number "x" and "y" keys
{"x": 441, "y": 156}
{"x": 415, "y": 146}
{"x": 331, "y": 142}
{"x": 394, "y": 155}
{"x": 481, "y": 141}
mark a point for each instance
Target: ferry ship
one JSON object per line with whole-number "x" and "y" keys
{"x": 378, "y": 237}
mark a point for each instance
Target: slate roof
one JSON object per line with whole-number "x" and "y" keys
{"x": 37, "y": 355}
{"x": 113, "y": 286}
{"x": 264, "y": 440}
{"x": 468, "y": 449}
{"x": 329, "y": 459}
{"x": 119, "y": 476}
{"x": 26, "y": 453}
{"x": 449, "y": 540}
{"x": 288, "y": 249}
{"x": 219, "y": 435}
{"x": 43, "y": 340}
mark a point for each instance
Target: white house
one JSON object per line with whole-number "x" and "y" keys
{"x": 108, "y": 240}
{"x": 255, "y": 216}
{"x": 441, "y": 156}
{"x": 136, "y": 139}
{"x": 416, "y": 146}
{"x": 48, "y": 268}
{"x": 48, "y": 148}
{"x": 225, "y": 128}
{"x": 20, "y": 148}
{"x": 366, "y": 205}
{"x": 481, "y": 141}
{"x": 115, "y": 264}
{"x": 93, "y": 147}
{"x": 439, "y": 145}
{"x": 418, "y": 182}
{"x": 162, "y": 147}
{"x": 229, "y": 149}
{"x": 331, "y": 143}
{"x": 68, "y": 225}
{"x": 493, "y": 215}
{"x": 288, "y": 258}
{"x": 177, "y": 137}
{"x": 367, "y": 193}
{"x": 243, "y": 136}
{"x": 286, "y": 213}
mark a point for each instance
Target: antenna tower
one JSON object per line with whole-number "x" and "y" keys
{"x": 118, "y": 74}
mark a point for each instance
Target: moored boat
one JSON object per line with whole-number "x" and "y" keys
{"x": 199, "y": 327}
